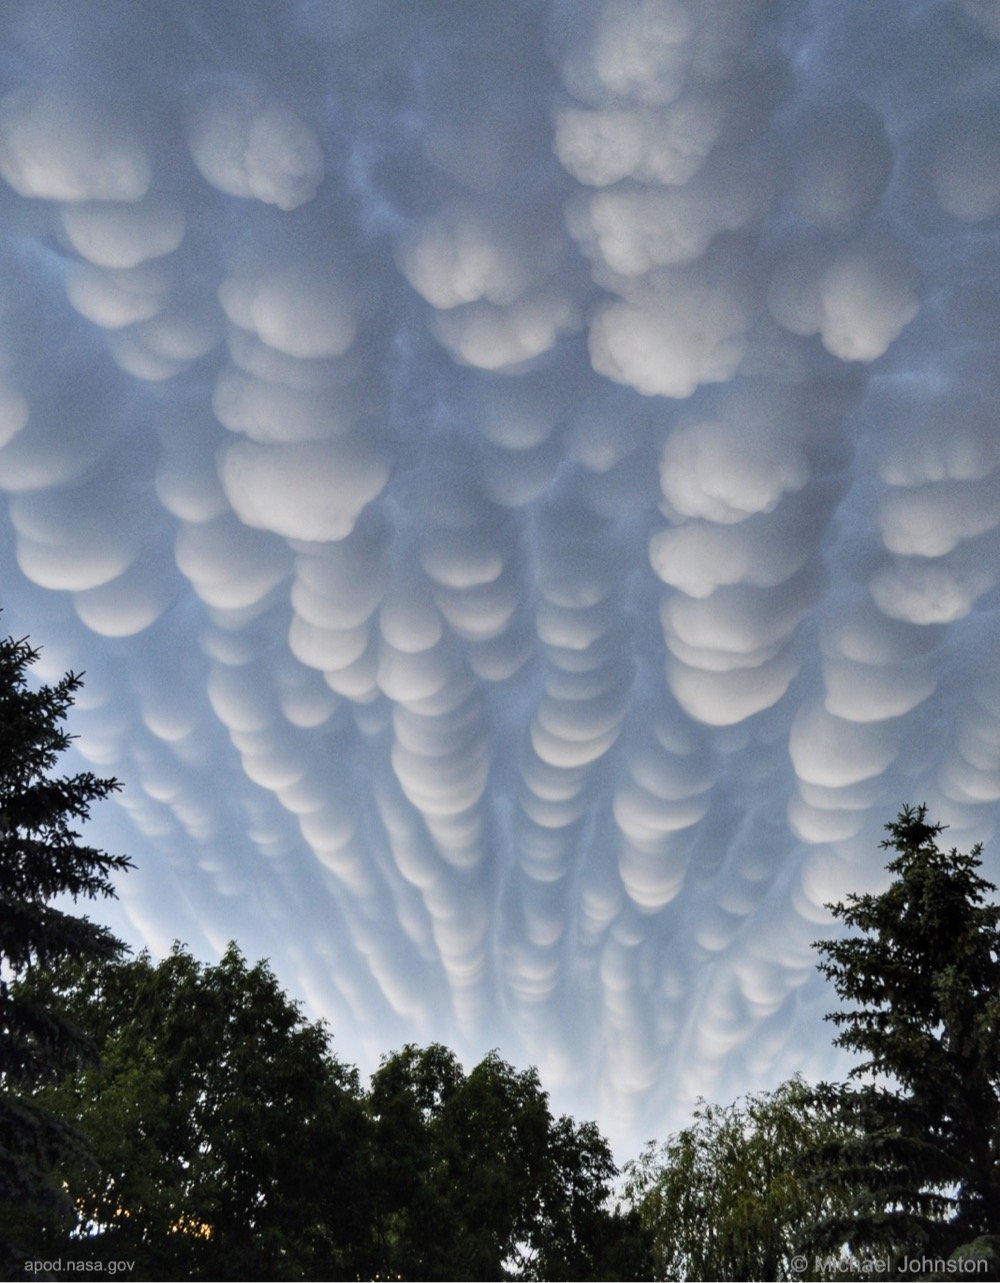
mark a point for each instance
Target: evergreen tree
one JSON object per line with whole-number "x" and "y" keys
{"x": 41, "y": 859}
{"x": 920, "y": 975}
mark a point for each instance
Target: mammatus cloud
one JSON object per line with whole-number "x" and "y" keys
{"x": 57, "y": 146}
{"x": 246, "y": 142}
{"x": 522, "y": 483}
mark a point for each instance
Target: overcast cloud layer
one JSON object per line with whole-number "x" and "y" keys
{"x": 523, "y": 481}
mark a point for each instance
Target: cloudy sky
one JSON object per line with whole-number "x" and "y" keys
{"x": 523, "y": 481}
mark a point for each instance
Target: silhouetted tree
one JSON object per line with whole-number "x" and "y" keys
{"x": 474, "y": 1178}
{"x": 230, "y": 1143}
{"x": 41, "y": 859}
{"x": 724, "y": 1197}
{"x": 920, "y": 979}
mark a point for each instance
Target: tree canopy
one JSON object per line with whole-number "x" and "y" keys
{"x": 475, "y": 1178}
{"x": 725, "y": 1197}
{"x": 41, "y": 860}
{"x": 920, "y": 978}
{"x": 231, "y": 1143}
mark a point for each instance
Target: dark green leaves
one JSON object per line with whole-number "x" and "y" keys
{"x": 727, "y": 1197}
{"x": 41, "y": 858}
{"x": 920, "y": 977}
{"x": 475, "y": 1179}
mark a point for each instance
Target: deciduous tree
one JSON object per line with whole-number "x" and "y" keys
{"x": 230, "y": 1143}
{"x": 475, "y": 1179}
{"x": 724, "y": 1198}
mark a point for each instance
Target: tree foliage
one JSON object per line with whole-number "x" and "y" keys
{"x": 41, "y": 860}
{"x": 725, "y": 1198}
{"x": 920, "y": 977}
{"x": 230, "y": 1143}
{"x": 475, "y": 1179}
